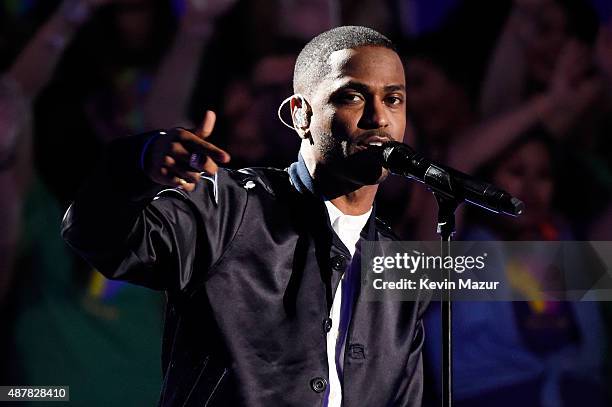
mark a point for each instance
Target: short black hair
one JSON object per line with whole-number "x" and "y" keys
{"x": 312, "y": 62}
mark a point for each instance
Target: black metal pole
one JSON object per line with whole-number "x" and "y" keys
{"x": 446, "y": 230}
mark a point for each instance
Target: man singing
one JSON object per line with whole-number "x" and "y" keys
{"x": 262, "y": 266}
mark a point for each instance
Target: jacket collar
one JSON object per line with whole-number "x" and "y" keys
{"x": 301, "y": 178}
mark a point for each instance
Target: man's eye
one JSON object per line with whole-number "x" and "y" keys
{"x": 395, "y": 100}
{"x": 349, "y": 98}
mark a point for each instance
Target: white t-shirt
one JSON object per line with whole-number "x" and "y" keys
{"x": 348, "y": 228}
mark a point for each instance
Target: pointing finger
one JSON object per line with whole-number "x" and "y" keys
{"x": 203, "y": 148}
{"x": 190, "y": 143}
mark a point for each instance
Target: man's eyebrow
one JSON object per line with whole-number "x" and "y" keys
{"x": 393, "y": 88}
{"x": 361, "y": 87}
{"x": 352, "y": 85}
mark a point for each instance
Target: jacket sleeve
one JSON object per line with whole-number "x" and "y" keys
{"x": 131, "y": 229}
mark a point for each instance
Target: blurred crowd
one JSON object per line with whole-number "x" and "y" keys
{"x": 518, "y": 92}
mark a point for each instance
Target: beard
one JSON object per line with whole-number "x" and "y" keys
{"x": 345, "y": 160}
{"x": 365, "y": 167}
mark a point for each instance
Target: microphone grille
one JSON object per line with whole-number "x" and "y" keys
{"x": 388, "y": 149}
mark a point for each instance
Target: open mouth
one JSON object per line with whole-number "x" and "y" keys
{"x": 371, "y": 141}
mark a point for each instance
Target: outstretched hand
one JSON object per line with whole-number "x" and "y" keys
{"x": 178, "y": 157}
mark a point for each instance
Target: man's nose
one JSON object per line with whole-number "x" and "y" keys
{"x": 374, "y": 115}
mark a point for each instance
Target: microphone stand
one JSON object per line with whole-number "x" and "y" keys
{"x": 446, "y": 183}
{"x": 446, "y": 230}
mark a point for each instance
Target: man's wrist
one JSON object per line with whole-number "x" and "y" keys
{"x": 144, "y": 158}
{"x": 124, "y": 167}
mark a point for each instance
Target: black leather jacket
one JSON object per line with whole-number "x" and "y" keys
{"x": 249, "y": 263}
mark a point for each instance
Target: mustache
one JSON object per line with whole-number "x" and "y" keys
{"x": 374, "y": 133}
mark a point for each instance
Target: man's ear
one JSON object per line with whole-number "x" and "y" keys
{"x": 300, "y": 113}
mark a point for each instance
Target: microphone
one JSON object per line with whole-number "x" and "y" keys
{"x": 400, "y": 159}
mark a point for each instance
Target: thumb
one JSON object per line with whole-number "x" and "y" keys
{"x": 207, "y": 125}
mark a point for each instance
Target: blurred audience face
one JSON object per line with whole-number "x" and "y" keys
{"x": 255, "y": 133}
{"x": 543, "y": 30}
{"x": 134, "y": 21}
{"x": 527, "y": 174}
{"x": 305, "y": 18}
{"x": 436, "y": 105}
{"x": 245, "y": 142}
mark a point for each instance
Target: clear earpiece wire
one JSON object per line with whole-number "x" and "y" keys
{"x": 280, "y": 108}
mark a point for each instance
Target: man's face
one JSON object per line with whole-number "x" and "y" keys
{"x": 361, "y": 102}
{"x": 527, "y": 174}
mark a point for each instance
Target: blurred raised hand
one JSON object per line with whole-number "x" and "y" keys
{"x": 166, "y": 104}
{"x": 35, "y": 64}
{"x": 199, "y": 15}
{"x": 573, "y": 88}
